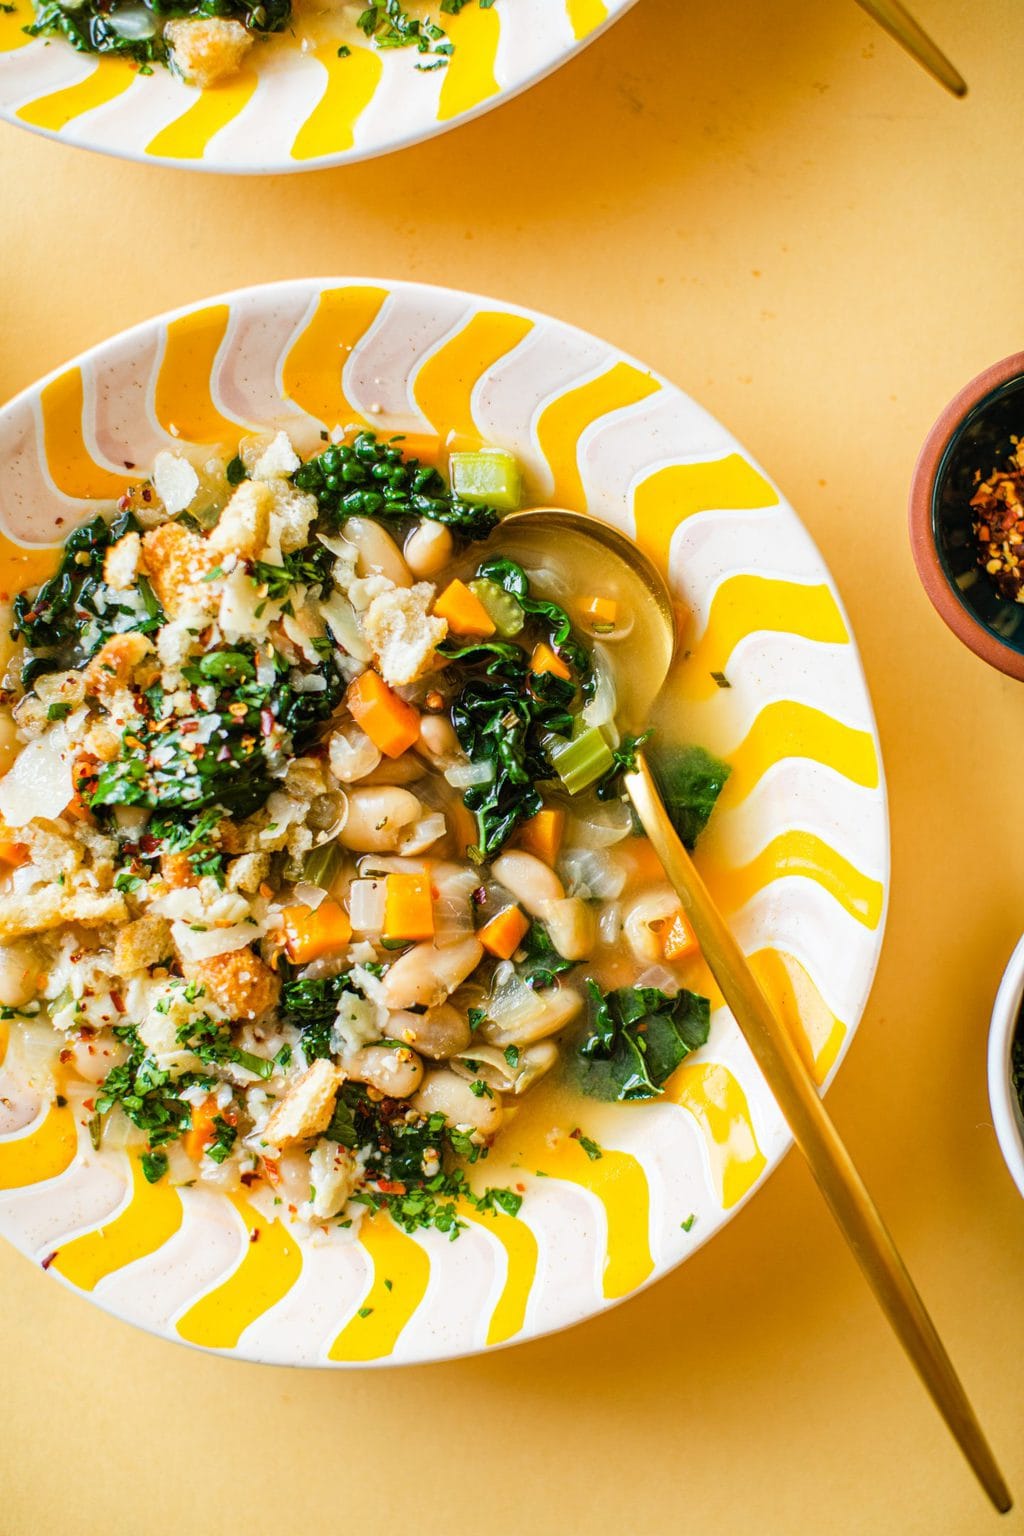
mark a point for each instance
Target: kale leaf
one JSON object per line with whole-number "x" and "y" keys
{"x": 371, "y": 478}
{"x": 690, "y": 781}
{"x": 637, "y": 1037}
{"x": 91, "y": 26}
{"x": 542, "y": 961}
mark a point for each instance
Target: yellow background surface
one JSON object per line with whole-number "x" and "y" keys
{"x": 765, "y": 200}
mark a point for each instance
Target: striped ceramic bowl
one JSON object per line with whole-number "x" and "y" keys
{"x": 299, "y": 106}
{"x": 797, "y": 852}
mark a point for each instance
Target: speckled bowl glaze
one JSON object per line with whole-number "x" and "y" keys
{"x": 297, "y": 106}
{"x": 973, "y": 433}
{"x": 797, "y": 852}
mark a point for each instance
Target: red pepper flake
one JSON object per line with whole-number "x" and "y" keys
{"x": 248, "y": 1179}
{"x": 188, "y": 726}
{"x": 50, "y": 1258}
{"x": 998, "y": 505}
{"x": 254, "y": 1235}
{"x": 390, "y": 1187}
{"x": 64, "y": 1057}
{"x": 117, "y": 1000}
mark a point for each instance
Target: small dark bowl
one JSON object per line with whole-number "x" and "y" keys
{"x": 973, "y": 433}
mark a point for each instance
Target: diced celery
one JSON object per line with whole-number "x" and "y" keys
{"x": 504, "y": 612}
{"x": 581, "y": 761}
{"x": 489, "y": 477}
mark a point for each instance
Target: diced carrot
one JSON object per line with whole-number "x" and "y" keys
{"x": 679, "y": 940}
{"x": 391, "y": 724}
{"x": 13, "y": 854}
{"x": 201, "y": 1132}
{"x": 464, "y": 611}
{"x": 311, "y": 935}
{"x": 600, "y": 610}
{"x": 503, "y": 935}
{"x": 542, "y": 834}
{"x": 544, "y": 659}
{"x": 408, "y": 910}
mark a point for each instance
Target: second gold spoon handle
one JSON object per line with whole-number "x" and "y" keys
{"x": 816, "y": 1136}
{"x": 899, "y": 24}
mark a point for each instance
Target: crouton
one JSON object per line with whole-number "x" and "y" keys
{"x": 38, "y": 911}
{"x": 402, "y": 633}
{"x": 141, "y": 944}
{"x": 244, "y": 524}
{"x": 240, "y": 982}
{"x": 101, "y": 742}
{"x": 333, "y": 1175}
{"x": 207, "y": 51}
{"x": 306, "y": 1109}
{"x": 177, "y": 561}
{"x": 248, "y": 872}
{"x": 116, "y": 664}
{"x": 122, "y": 561}
{"x": 291, "y": 516}
{"x": 176, "y": 871}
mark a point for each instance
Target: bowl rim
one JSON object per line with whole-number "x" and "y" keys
{"x": 1006, "y": 1114}
{"x": 944, "y": 597}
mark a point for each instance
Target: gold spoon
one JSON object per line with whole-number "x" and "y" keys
{"x": 586, "y": 545}
{"x": 899, "y": 24}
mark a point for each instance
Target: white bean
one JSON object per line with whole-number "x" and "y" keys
{"x": 93, "y": 1059}
{"x": 438, "y": 1033}
{"x": 644, "y": 919}
{"x": 19, "y": 974}
{"x": 443, "y": 1093}
{"x": 10, "y": 746}
{"x": 438, "y": 742}
{"x": 561, "y": 1005}
{"x": 376, "y": 818}
{"x": 529, "y": 880}
{"x": 351, "y": 754}
{"x": 398, "y": 770}
{"x": 394, "y": 1071}
{"x": 427, "y": 975}
{"x": 572, "y": 927}
{"x": 377, "y": 554}
{"x": 428, "y": 548}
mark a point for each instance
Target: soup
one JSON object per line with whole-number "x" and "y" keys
{"x": 316, "y": 860}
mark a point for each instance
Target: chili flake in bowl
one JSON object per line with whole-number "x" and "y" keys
{"x": 998, "y": 505}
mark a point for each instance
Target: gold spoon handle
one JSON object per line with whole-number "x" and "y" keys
{"x": 899, "y": 23}
{"x": 816, "y": 1136}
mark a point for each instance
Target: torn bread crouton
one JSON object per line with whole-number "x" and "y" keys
{"x": 291, "y": 516}
{"x": 116, "y": 664}
{"x": 176, "y": 871}
{"x": 141, "y": 944}
{"x": 402, "y": 633}
{"x": 239, "y": 982}
{"x": 248, "y": 872}
{"x": 177, "y": 560}
{"x": 37, "y": 911}
{"x": 306, "y": 1109}
{"x": 244, "y": 524}
{"x": 122, "y": 562}
{"x": 207, "y": 50}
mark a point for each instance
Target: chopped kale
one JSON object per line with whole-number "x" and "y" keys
{"x": 542, "y": 962}
{"x": 637, "y": 1036}
{"x": 92, "y": 27}
{"x": 690, "y": 781}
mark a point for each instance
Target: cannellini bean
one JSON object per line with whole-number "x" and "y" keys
{"x": 19, "y": 974}
{"x": 643, "y": 919}
{"x": 290, "y": 1177}
{"x": 398, "y": 770}
{"x": 428, "y": 548}
{"x": 427, "y": 975}
{"x": 351, "y": 754}
{"x": 376, "y": 551}
{"x": 572, "y": 927}
{"x": 438, "y": 742}
{"x": 93, "y": 1059}
{"x": 395, "y": 1072}
{"x": 10, "y": 746}
{"x": 376, "y": 818}
{"x": 529, "y": 879}
{"x": 561, "y": 1005}
{"x": 438, "y": 1033}
{"x": 443, "y": 1093}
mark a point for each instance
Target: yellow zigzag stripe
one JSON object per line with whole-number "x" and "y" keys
{"x": 619, "y": 1182}
{"x": 5, "y": 1037}
{"x": 816, "y": 1032}
{"x": 745, "y": 605}
{"x": 802, "y": 853}
{"x": 42, "y": 1153}
{"x": 387, "y": 1307}
{"x": 22, "y": 567}
{"x": 71, "y": 467}
{"x": 12, "y": 24}
{"x": 586, "y": 15}
{"x": 149, "y": 1220}
{"x": 663, "y": 502}
{"x": 311, "y": 374}
{"x": 520, "y": 1247}
{"x": 351, "y": 82}
{"x": 183, "y": 399}
{"x": 109, "y": 79}
{"x": 719, "y": 1105}
{"x": 469, "y": 78}
{"x": 562, "y": 423}
{"x": 443, "y": 387}
{"x": 788, "y": 729}
{"x": 188, "y": 136}
{"x": 271, "y": 1264}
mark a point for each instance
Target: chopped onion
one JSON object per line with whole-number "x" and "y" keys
{"x": 592, "y": 872}
{"x": 193, "y": 944}
{"x": 309, "y": 895}
{"x": 658, "y": 976}
{"x": 601, "y": 825}
{"x": 466, "y": 775}
{"x": 423, "y": 834}
{"x": 135, "y": 24}
{"x": 341, "y": 620}
{"x": 366, "y": 905}
{"x": 609, "y": 924}
{"x": 600, "y": 709}
{"x": 308, "y": 682}
{"x": 513, "y": 1006}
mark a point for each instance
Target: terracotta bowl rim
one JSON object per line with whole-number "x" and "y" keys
{"x": 943, "y": 594}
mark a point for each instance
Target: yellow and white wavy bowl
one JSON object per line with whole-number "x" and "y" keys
{"x": 797, "y": 852}
{"x": 298, "y": 106}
